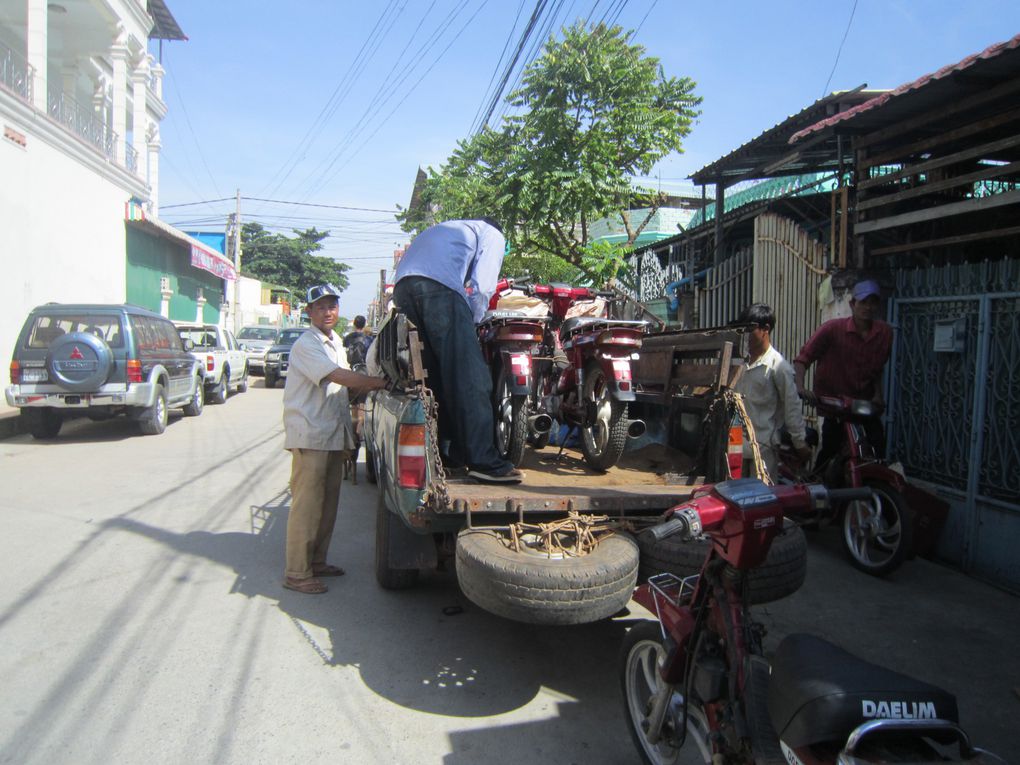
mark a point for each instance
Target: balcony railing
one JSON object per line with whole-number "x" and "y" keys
{"x": 16, "y": 74}
{"x": 82, "y": 122}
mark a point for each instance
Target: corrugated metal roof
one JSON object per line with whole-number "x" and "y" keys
{"x": 165, "y": 26}
{"x": 754, "y": 159}
{"x": 999, "y": 60}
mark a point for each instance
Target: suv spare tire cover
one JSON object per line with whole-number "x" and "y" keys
{"x": 79, "y": 361}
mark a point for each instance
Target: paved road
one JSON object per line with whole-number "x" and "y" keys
{"x": 142, "y": 620}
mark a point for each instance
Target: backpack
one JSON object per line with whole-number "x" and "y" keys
{"x": 356, "y": 344}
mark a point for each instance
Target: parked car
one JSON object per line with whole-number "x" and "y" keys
{"x": 224, "y": 364}
{"x": 278, "y": 357}
{"x": 100, "y": 361}
{"x": 255, "y": 341}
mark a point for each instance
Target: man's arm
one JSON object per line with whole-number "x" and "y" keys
{"x": 793, "y": 416}
{"x": 813, "y": 349}
{"x": 485, "y": 271}
{"x": 356, "y": 380}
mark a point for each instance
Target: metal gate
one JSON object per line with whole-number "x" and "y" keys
{"x": 954, "y": 411}
{"x": 788, "y": 268}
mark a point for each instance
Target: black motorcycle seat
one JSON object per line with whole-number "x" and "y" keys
{"x": 819, "y": 692}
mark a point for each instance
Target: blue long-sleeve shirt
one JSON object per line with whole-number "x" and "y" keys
{"x": 464, "y": 255}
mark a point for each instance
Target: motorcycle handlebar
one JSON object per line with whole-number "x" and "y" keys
{"x": 675, "y": 525}
{"x": 848, "y": 495}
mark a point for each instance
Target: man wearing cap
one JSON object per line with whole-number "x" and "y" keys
{"x": 851, "y": 354}
{"x": 318, "y": 434}
{"x": 443, "y": 284}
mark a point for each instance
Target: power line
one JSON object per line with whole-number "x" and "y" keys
{"x": 825, "y": 90}
{"x": 313, "y": 204}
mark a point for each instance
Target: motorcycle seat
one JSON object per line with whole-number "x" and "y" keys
{"x": 819, "y": 692}
{"x": 501, "y": 314}
{"x": 581, "y": 323}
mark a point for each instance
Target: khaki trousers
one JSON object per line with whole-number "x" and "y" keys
{"x": 771, "y": 460}
{"x": 315, "y": 478}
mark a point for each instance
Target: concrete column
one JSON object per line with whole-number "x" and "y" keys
{"x": 157, "y": 77}
{"x": 36, "y": 44}
{"x": 167, "y": 293}
{"x": 200, "y": 310}
{"x": 154, "y": 145}
{"x": 119, "y": 60}
{"x": 139, "y": 113}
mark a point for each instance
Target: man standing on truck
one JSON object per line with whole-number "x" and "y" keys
{"x": 766, "y": 383}
{"x": 318, "y": 434}
{"x": 851, "y": 354}
{"x": 443, "y": 284}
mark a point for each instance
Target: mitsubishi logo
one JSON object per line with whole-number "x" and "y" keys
{"x": 76, "y": 354}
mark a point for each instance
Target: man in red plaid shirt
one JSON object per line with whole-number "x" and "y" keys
{"x": 850, "y": 354}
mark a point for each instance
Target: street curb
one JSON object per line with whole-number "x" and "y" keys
{"x": 10, "y": 425}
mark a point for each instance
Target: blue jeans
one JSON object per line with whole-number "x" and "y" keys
{"x": 457, "y": 372}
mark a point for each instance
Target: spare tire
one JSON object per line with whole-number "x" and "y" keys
{"x": 79, "y": 362}
{"x": 531, "y": 587}
{"x": 781, "y": 575}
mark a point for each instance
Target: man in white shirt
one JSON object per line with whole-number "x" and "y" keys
{"x": 318, "y": 434}
{"x": 443, "y": 284}
{"x": 770, "y": 395}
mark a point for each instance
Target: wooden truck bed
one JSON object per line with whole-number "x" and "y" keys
{"x": 645, "y": 482}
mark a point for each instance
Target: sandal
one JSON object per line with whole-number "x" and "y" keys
{"x": 309, "y": 586}
{"x": 327, "y": 570}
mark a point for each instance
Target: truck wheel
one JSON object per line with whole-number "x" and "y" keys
{"x": 218, "y": 392}
{"x": 781, "y": 575}
{"x": 42, "y": 422}
{"x": 535, "y": 588}
{"x": 602, "y": 439}
{"x": 370, "y": 466}
{"x": 270, "y": 380}
{"x": 388, "y": 578}
{"x": 242, "y": 385}
{"x": 194, "y": 407}
{"x": 152, "y": 419}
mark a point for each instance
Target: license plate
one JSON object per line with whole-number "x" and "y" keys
{"x": 34, "y": 375}
{"x": 76, "y": 400}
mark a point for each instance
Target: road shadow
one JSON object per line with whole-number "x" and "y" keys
{"x": 82, "y": 430}
{"x": 427, "y": 648}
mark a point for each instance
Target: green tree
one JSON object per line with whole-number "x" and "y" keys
{"x": 288, "y": 261}
{"x": 593, "y": 112}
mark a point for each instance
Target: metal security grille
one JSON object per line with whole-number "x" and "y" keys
{"x": 999, "y": 475}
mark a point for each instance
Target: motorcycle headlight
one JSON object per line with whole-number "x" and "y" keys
{"x": 862, "y": 408}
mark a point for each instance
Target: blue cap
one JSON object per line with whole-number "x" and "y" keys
{"x": 865, "y": 289}
{"x": 320, "y": 291}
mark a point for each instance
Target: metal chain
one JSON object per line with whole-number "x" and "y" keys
{"x": 436, "y": 492}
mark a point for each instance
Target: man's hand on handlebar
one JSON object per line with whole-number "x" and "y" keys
{"x": 807, "y": 396}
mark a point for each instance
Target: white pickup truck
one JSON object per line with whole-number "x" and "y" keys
{"x": 224, "y": 364}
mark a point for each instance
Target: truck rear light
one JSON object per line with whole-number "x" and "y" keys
{"x": 735, "y": 452}
{"x": 134, "y": 370}
{"x": 411, "y": 457}
{"x": 210, "y": 364}
{"x": 15, "y": 373}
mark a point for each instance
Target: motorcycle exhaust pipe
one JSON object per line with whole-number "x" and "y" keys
{"x": 636, "y": 428}
{"x": 539, "y": 424}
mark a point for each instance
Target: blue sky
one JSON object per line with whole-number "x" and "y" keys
{"x": 324, "y": 102}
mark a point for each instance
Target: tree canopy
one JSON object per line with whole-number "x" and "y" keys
{"x": 592, "y": 113}
{"x": 288, "y": 261}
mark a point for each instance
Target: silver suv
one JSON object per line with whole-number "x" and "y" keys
{"x": 101, "y": 360}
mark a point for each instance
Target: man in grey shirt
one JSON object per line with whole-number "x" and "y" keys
{"x": 318, "y": 434}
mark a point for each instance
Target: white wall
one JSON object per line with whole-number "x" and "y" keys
{"x": 61, "y": 229}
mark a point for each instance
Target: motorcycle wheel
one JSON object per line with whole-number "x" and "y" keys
{"x": 511, "y": 420}
{"x": 640, "y": 656}
{"x": 878, "y": 536}
{"x": 603, "y": 439}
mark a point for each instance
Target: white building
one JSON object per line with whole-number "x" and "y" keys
{"x": 80, "y": 107}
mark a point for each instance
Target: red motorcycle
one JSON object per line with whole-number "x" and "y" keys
{"x": 509, "y": 341}
{"x": 877, "y": 533}
{"x": 584, "y": 379}
{"x": 697, "y": 686}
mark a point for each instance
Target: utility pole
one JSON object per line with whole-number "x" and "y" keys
{"x": 237, "y": 264}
